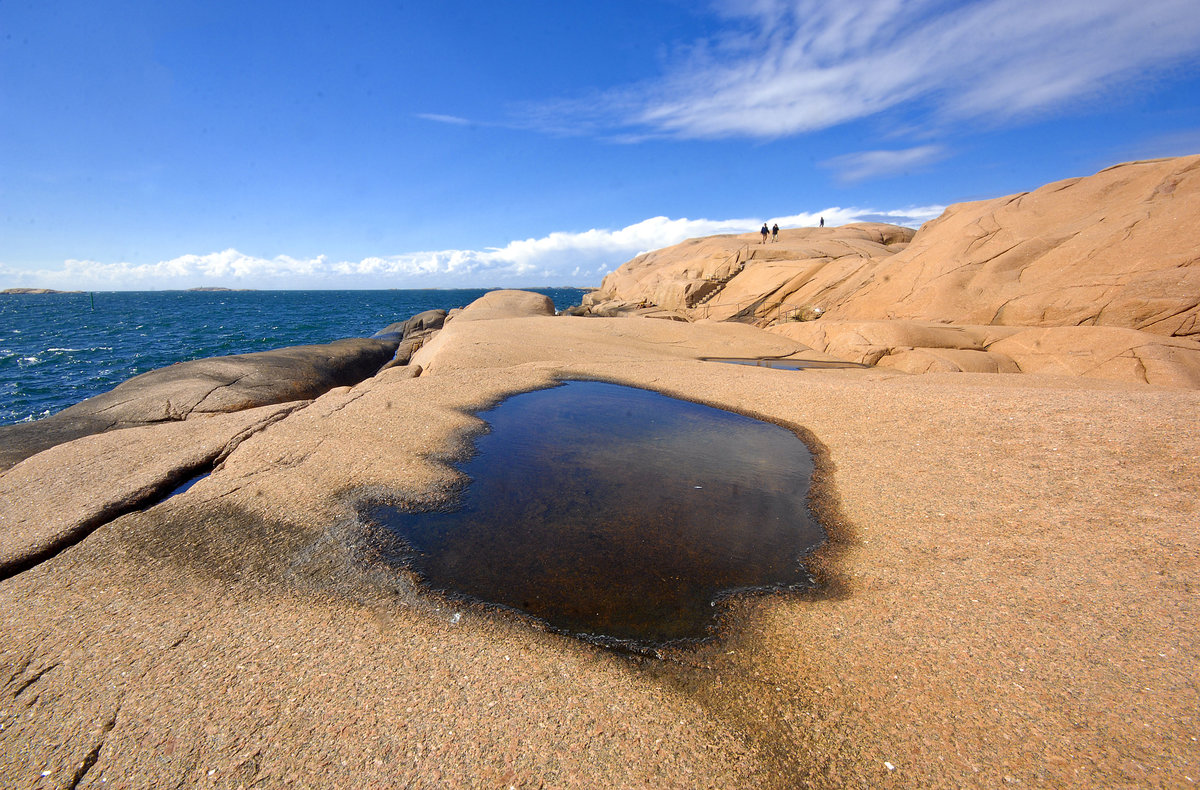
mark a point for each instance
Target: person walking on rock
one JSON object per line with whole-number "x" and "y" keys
{"x": 775, "y": 233}
{"x": 822, "y": 222}
{"x": 764, "y": 233}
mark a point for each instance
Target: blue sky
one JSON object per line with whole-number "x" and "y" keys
{"x": 148, "y": 145}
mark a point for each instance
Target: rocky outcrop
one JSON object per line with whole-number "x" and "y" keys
{"x": 411, "y": 335}
{"x": 736, "y": 275}
{"x": 1111, "y": 353}
{"x": 1007, "y": 554}
{"x": 1104, "y": 267}
{"x": 1115, "y": 249}
{"x": 427, "y": 321}
{"x": 505, "y": 304}
{"x": 203, "y": 386}
{"x": 492, "y": 306}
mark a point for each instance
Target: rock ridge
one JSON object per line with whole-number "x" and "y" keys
{"x": 1097, "y": 276}
{"x": 203, "y": 386}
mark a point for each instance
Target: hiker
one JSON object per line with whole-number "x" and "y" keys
{"x": 764, "y": 233}
{"x": 775, "y": 233}
{"x": 822, "y": 222}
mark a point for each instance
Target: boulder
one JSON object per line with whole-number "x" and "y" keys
{"x": 203, "y": 386}
{"x": 947, "y": 360}
{"x": 426, "y": 321}
{"x": 506, "y": 304}
{"x": 494, "y": 305}
{"x": 411, "y": 335}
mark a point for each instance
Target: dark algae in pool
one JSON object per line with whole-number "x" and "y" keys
{"x": 617, "y": 514}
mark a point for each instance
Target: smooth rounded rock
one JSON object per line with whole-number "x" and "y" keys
{"x": 202, "y": 386}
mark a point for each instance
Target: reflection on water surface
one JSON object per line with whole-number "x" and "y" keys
{"x": 786, "y": 364}
{"x": 617, "y": 514}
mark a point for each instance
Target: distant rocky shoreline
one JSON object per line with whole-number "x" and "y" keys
{"x": 36, "y": 291}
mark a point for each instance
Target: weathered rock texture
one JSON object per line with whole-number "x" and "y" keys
{"x": 203, "y": 386}
{"x": 1096, "y": 352}
{"x": 427, "y": 321}
{"x": 1010, "y": 593}
{"x": 138, "y": 466}
{"x": 505, "y": 304}
{"x": 1115, "y": 249}
{"x": 411, "y": 334}
{"x": 1009, "y": 588}
{"x": 1106, "y": 266}
{"x": 721, "y": 276}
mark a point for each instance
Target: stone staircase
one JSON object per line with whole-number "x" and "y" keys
{"x": 733, "y": 266}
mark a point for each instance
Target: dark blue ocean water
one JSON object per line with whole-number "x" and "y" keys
{"x": 58, "y": 349}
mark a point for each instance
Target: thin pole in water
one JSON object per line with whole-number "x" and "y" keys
{"x": 93, "y": 295}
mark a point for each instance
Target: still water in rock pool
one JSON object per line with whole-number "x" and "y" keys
{"x": 787, "y": 364}
{"x": 617, "y": 514}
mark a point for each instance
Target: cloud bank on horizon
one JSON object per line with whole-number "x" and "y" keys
{"x": 557, "y": 259}
{"x": 498, "y": 121}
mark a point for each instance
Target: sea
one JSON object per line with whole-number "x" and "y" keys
{"x": 59, "y": 349}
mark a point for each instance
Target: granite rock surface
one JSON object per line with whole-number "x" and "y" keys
{"x": 1105, "y": 266}
{"x": 1008, "y": 591}
{"x": 203, "y": 386}
{"x": 1099, "y": 352}
{"x": 1113, "y": 249}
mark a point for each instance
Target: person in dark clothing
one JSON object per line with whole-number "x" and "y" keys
{"x": 764, "y": 233}
{"x": 775, "y": 232}
{"x": 822, "y": 222}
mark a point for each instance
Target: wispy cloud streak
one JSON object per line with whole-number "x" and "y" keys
{"x": 453, "y": 120}
{"x": 784, "y": 67}
{"x": 880, "y": 164}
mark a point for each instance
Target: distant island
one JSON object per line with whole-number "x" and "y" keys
{"x": 36, "y": 291}
{"x": 208, "y": 288}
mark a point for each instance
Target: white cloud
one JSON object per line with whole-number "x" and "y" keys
{"x": 878, "y": 164}
{"x": 559, "y": 258}
{"x": 912, "y": 217}
{"x": 784, "y": 67}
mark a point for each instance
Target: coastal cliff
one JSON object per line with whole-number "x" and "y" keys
{"x": 1007, "y": 586}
